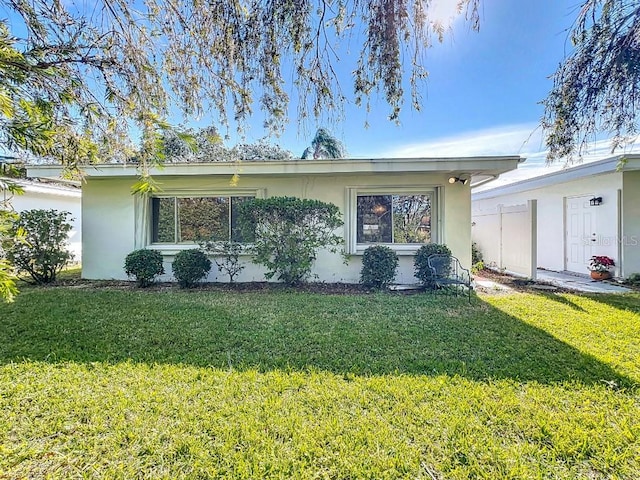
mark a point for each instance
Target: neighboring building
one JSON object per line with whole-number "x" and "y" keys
{"x": 559, "y": 220}
{"x": 47, "y": 196}
{"x": 398, "y": 202}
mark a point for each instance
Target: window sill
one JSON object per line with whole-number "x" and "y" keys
{"x": 172, "y": 249}
{"x": 400, "y": 250}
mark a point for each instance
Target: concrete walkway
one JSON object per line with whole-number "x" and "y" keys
{"x": 579, "y": 282}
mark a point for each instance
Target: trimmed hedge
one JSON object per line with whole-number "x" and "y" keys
{"x": 144, "y": 265}
{"x": 379, "y": 264}
{"x": 190, "y": 266}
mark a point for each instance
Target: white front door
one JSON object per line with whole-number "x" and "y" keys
{"x": 579, "y": 231}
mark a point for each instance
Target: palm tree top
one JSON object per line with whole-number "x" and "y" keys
{"x": 324, "y": 145}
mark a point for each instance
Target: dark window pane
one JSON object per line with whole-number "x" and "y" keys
{"x": 236, "y": 233}
{"x": 374, "y": 219}
{"x": 204, "y": 218}
{"x": 163, "y": 219}
{"x": 411, "y": 218}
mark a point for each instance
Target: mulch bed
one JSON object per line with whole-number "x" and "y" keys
{"x": 239, "y": 287}
{"x": 514, "y": 283}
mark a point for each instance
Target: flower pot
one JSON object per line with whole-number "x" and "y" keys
{"x": 600, "y": 275}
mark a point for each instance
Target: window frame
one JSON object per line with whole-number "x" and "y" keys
{"x": 351, "y": 224}
{"x": 169, "y": 248}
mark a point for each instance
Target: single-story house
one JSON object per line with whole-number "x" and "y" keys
{"x": 47, "y": 196}
{"x": 399, "y": 202}
{"x": 559, "y": 220}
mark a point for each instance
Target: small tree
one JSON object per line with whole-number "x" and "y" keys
{"x": 379, "y": 264}
{"x": 144, "y": 265}
{"x": 190, "y": 266}
{"x": 42, "y": 250}
{"x": 226, "y": 257}
{"x": 288, "y": 232}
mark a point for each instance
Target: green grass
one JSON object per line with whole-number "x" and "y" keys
{"x": 106, "y": 383}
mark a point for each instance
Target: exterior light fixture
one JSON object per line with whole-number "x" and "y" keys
{"x": 595, "y": 201}
{"x": 463, "y": 181}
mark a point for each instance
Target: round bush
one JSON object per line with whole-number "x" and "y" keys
{"x": 190, "y": 266}
{"x": 379, "y": 264}
{"x": 420, "y": 263}
{"x": 144, "y": 265}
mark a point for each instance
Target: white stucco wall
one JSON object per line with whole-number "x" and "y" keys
{"x": 107, "y": 227}
{"x": 63, "y": 199}
{"x": 109, "y": 218}
{"x": 551, "y": 215}
{"x": 630, "y": 241}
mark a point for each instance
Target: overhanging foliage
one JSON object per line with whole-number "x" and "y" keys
{"x": 596, "y": 89}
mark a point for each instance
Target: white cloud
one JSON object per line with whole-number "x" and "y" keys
{"x": 523, "y": 139}
{"x": 507, "y": 140}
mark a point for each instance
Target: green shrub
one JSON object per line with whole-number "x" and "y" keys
{"x": 8, "y": 289}
{"x": 226, "y": 256}
{"x": 144, "y": 265}
{"x": 190, "y": 266}
{"x": 420, "y": 263}
{"x": 287, "y": 233}
{"x": 379, "y": 264}
{"x": 633, "y": 279}
{"x": 37, "y": 244}
{"x": 477, "y": 267}
{"x": 476, "y": 254}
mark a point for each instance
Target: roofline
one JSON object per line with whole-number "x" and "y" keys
{"x": 487, "y": 165}
{"x": 46, "y": 188}
{"x": 599, "y": 167}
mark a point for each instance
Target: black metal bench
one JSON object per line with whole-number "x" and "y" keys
{"x": 448, "y": 275}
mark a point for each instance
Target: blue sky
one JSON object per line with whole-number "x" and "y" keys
{"x": 482, "y": 96}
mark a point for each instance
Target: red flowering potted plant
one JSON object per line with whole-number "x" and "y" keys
{"x": 600, "y": 266}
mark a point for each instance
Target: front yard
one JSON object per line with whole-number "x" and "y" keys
{"x": 118, "y": 383}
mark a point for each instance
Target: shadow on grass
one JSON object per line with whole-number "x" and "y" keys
{"x": 561, "y": 299}
{"x": 621, "y": 301}
{"x": 353, "y": 334}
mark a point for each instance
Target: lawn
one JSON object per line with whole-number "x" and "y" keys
{"x": 119, "y": 383}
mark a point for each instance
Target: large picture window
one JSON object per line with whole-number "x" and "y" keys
{"x": 191, "y": 219}
{"x": 394, "y": 218}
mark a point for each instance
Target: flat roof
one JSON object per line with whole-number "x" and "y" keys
{"x": 623, "y": 163}
{"x": 472, "y": 166}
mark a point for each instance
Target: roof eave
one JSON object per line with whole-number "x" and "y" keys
{"x": 495, "y": 165}
{"x": 599, "y": 167}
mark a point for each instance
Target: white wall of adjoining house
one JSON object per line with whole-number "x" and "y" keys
{"x": 47, "y": 197}
{"x": 551, "y": 216}
{"x": 486, "y": 233}
{"x": 630, "y": 241}
{"x": 109, "y": 219}
{"x": 504, "y": 236}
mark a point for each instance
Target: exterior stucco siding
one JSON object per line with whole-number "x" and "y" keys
{"x": 108, "y": 227}
{"x": 109, "y": 218}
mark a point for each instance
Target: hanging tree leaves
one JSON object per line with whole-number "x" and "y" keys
{"x": 597, "y": 88}
{"x": 89, "y": 70}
